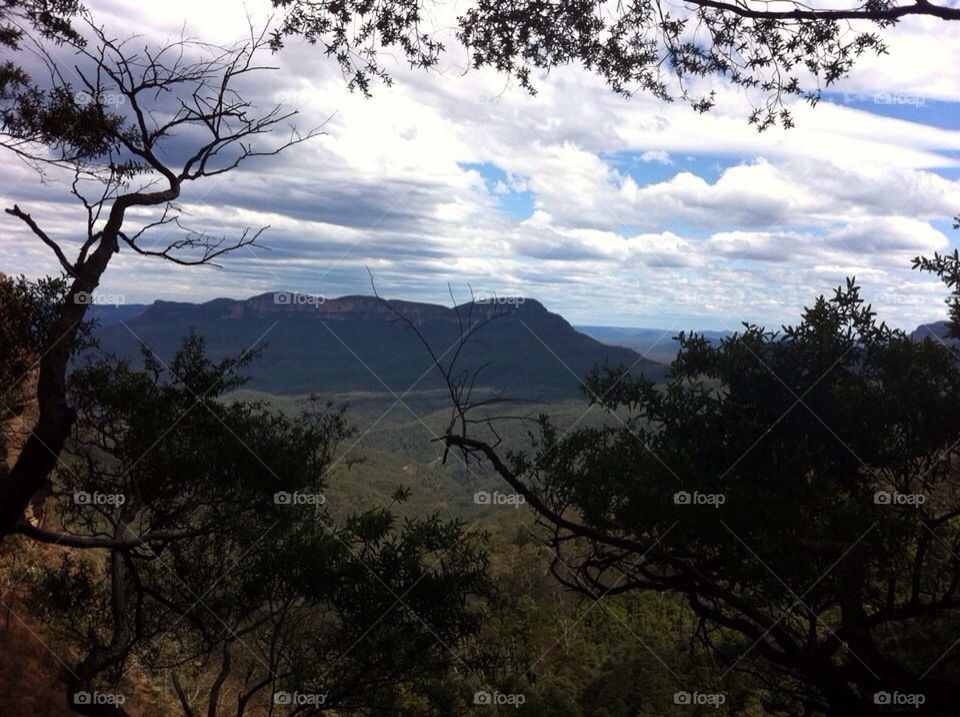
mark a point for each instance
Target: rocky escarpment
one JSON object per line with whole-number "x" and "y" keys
{"x": 314, "y": 344}
{"x": 18, "y": 415}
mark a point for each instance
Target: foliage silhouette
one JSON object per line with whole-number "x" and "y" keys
{"x": 184, "y": 561}
{"x": 797, "y": 488}
{"x": 793, "y": 50}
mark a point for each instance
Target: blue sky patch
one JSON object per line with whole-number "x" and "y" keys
{"x": 518, "y": 203}
{"x": 901, "y": 105}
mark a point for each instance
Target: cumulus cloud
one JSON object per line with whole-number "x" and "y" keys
{"x": 656, "y": 155}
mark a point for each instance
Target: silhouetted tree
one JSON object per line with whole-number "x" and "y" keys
{"x": 947, "y": 268}
{"x": 789, "y": 49}
{"x": 33, "y": 111}
{"x": 199, "y": 545}
{"x": 184, "y": 94}
{"x": 798, "y": 488}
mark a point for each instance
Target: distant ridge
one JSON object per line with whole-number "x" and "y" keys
{"x": 356, "y": 343}
{"x": 935, "y": 330}
{"x": 107, "y": 314}
{"x": 655, "y": 344}
{"x": 659, "y": 344}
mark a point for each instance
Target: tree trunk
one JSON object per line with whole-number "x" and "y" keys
{"x": 103, "y": 657}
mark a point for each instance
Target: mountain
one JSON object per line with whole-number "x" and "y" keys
{"x": 936, "y": 330}
{"x": 659, "y": 344}
{"x": 107, "y": 314}
{"x": 656, "y": 344}
{"x": 357, "y": 343}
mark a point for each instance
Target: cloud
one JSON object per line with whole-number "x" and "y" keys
{"x": 656, "y": 155}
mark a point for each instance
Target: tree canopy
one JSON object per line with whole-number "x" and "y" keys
{"x": 199, "y": 545}
{"x": 797, "y": 487}
{"x": 782, "y": 51}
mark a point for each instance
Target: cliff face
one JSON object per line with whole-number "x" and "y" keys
{"x": 18, "y": 413}
{"x": 345, "y": 308}
{"x": 19, "y": 416}
{"x": 17, "y": 422}
{"x": 312, "y": 344}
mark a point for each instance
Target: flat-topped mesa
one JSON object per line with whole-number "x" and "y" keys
{"x": 310, "y": 343}
{"x": 281, "y": 304}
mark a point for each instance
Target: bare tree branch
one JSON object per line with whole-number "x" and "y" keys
{"x": 191, "y": 85}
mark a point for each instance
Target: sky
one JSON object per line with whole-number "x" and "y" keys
{"x": 609, "y": 210}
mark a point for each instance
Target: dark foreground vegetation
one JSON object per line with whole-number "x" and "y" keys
{"x": 798, "y": 489}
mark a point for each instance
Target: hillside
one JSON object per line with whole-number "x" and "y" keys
{"x": 356, "y": 343}
{"x": 936, "y": 330}
{"x": 655, "y": 344}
